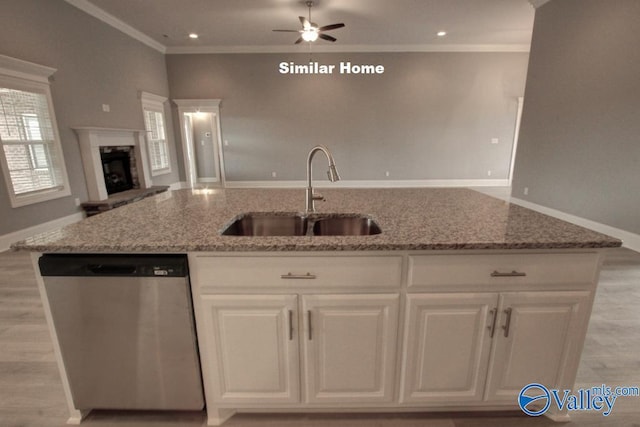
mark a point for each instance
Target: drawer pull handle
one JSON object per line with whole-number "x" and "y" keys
{"x": 494, "y": 316}
{"x": 290, "y": 325}
{"x": 513, "y": 273}
{"x": 309, "y": 324}
{"x": 298, "y": 276}
{"x": 507, "y": 324}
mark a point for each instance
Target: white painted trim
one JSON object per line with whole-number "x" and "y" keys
{"x": 155, "y": 103}
{"x": 92, "y": 138}
{"x": 33, "y": 78}
{"x": 152, "y": 98}
{"x": 516, "y": 136}
{"x": 116, "y": 23}
{"x": 25, "y": 70}
{"x": 179, "y": 185}
{"x": 205, "y": 106}
{"x": 304, "y": 48}
{"x": 7, "y": 240}
{"x": 411, "y": 183}
{"x": 629, "y": 240}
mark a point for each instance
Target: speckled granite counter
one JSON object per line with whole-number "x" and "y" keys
{"x": 411, "y": 219}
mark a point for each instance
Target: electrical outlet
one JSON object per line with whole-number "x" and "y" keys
{"x": 387, "y": 173}
{"x": 226, "y": 143}
{"x": 106, "y": 108}
{"x": 77, "y": 201}
{"x": 273, "y": 174}
{"x": 494, "y": 140}
{"x": 526, "y": 191}
{"x": 488, "y": 173}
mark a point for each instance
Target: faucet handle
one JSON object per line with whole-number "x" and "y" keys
{"x": 318, "y": 196}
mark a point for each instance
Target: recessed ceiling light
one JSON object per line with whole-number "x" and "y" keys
{"x": 193, "y": 36}
{"x": 441, "y": 33}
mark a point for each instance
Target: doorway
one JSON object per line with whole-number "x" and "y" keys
{"x": 201, "y": 147}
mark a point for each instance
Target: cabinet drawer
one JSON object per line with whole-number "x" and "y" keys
{"x": 296, "y": 271}
{"x": 447, "y": 271}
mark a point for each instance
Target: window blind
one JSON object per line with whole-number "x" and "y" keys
{"x": 157, "y": 140}
{"x": 28, "y": 142}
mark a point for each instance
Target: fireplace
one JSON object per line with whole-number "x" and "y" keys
{"x": 116, "y": 165}
{"x": 114, "y": 160}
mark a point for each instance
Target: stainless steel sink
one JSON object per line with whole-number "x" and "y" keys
{"x": 267, "y": 224}
{"x": 297, "y": 224}
{"x": 345, "y": 226}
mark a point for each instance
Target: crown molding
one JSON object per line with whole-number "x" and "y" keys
{"x": 116, "y": 23}
{"x": 181, "y": 50}
{"x": 537, "y": 3}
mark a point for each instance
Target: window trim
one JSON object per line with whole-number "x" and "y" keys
{"x": 29, "y": 77}
{"x": 152, "y": 102}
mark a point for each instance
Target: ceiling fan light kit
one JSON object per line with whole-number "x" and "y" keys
{"x": 310, "y": 31}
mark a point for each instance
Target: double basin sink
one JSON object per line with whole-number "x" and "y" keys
{"x": 298, "y": 224}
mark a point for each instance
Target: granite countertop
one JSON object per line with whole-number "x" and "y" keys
{"x": 410, "y": 219}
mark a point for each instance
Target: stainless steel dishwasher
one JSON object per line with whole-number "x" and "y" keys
{"x": 126, "y": 330}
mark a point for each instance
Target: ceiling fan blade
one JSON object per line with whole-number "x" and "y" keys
{"x": 327, "y": 37}
{"x": 331, "y": 27}
{"x": 287, "y": 31}
{"x": 300, "y": 40}
{"x": 305, "y": 22}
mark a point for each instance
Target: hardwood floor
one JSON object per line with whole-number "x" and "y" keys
{"x": 31, "y": 393}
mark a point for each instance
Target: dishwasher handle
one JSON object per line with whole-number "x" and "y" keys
{"x": 111, "y": 270}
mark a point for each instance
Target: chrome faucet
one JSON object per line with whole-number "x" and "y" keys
{"x": 332, "y": 173}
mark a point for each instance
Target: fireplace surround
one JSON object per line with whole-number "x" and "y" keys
{"x": 93, "y": 140}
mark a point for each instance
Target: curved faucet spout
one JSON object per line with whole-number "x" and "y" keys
{"x": 332, "y": 173}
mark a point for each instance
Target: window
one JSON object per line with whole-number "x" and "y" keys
{"x": 157, "y": 144}
{"x": 31, "y": 155}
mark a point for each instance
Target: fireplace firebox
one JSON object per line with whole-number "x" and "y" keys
{"x": 117, "y": 165}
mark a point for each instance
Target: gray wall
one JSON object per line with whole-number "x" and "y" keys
{"x": 96, "y": 65}
{"x": 429, "y": 116}
{"x": 579, "y": 147}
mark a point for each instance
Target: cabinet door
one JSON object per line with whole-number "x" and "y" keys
{"x": 538, "y": 339}
{"x": 447, "y": 346}
{"x": 252, "y": 344}
{"x": 349, "y": 347}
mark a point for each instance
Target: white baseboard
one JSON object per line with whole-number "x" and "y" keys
{"x": 7, "y": 239}
{"x": 629, "y": 240}
{"x": 409, "y": 183}
{"x": 179, "y": 185}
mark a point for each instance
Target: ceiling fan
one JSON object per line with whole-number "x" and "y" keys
{"x": 310, "y": 31}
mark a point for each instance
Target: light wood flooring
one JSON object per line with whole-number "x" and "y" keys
{"x": 31, "y": 393}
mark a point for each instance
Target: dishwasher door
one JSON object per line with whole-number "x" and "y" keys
{"x": 126, "y": 330}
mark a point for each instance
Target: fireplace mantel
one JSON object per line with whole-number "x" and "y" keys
{"x": 92, "y": 138}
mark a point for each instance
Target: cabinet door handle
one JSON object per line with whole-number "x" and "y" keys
{"x": 513, "y": 273}
{"x": 494, "y": 316}
{"x": 290, "y": 325}
{"x": 309, "y": 324}
{"x": 298, "y": 276}
{"x": 507, "y": 324}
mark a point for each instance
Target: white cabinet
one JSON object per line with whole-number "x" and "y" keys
{"x": 454, "y": 330}
{"x": 251, "y": 348}
{"x": 465, "y": 347}
{"x": 447, "y": 347}
{"x": 349, "y": 348}
{"x": 538, "y": 338}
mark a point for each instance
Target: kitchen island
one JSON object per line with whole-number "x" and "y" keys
{"x": 461, "y": 301}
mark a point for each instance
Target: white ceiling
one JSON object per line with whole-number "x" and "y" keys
{"x": 371, "y": 25}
